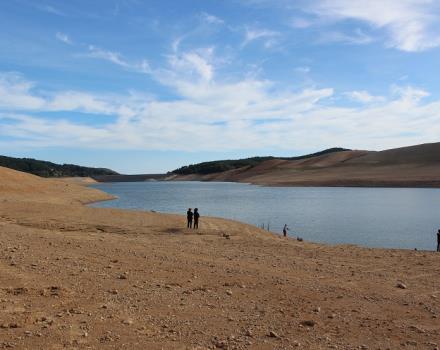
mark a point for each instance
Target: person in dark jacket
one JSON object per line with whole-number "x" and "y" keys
{"x": 438, "y": 240}
{"x": 189, "y": 218}
{"x": 285, "y": 229}
{"x": 196, "y": 218}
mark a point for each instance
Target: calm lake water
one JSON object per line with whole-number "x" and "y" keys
{"x": 373, "y": 217}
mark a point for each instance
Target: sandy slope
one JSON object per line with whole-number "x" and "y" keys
{"x": 74, "y": 277}
{"x": 415, "y": 166}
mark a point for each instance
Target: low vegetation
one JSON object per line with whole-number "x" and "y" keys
{"x": 48, "y": 169}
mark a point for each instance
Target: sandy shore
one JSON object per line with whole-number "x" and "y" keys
{"x": 74, "y": 277}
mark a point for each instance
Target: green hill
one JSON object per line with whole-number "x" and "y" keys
{"x": 48, "y": 169}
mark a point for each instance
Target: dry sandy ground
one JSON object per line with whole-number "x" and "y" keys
{"x": 73, "y": 277}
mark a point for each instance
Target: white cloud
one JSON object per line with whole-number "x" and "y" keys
{"x": 16, "y": 93}
{"x": 411, "y": 25}
{"x": 64, "y": 38}
{"x": 358, "y": 37}
{"x": 116, "y": 58}
{"x": 188, "y": 63}
{"x": 364, "y": 97}
{"x": 217, "y": 115}
{"x": 269, "y": 37}
{"x": 211, "y": 19}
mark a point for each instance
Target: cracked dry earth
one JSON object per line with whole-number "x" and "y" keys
{"x": 74, "y": 277}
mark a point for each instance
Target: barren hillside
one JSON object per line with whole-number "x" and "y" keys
{"x": 415, "y": 166}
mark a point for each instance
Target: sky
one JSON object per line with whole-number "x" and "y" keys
{"x": 148, "y": 86}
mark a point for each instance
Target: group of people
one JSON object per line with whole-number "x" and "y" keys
{"x": 192, "y": 216}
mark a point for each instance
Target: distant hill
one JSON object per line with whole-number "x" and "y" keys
{"x": 414, "y": 166}
{"x": 48, "y": 169}
{"x": 218, "y": 166}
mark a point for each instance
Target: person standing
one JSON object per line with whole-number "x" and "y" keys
{"x": 196, "y": 218}
{"x": 189, "y": 218}
{"x": 285, "y": 229}
{"x": 438, "y": 240}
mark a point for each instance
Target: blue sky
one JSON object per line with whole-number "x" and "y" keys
{"x": 148, "y": 86}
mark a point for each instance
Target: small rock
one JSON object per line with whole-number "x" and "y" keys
{"x": 308, "y": 323}
{"x": 123, "y": 276}
{"x": 272, "y": 334}
{"x": 127, "y": 322}
{"x": 401, "y": 285}
{"x": 229, "y": 292}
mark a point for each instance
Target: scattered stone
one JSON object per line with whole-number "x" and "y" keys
{"x": 248, "y": 333}
{"x": 401, "y": 285}
{"x": 308, "y": 323}
{"x": 127, "y": 322}
{"x": 229, "y": 292}
{"x": 123, "y": 276}
{"x": 273, "y": 334}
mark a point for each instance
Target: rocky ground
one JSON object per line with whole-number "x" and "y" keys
{"x": 85, "y": 278}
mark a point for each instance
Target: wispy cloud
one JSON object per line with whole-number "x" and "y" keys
{"x": 116, "y": 58}
{"x": 16, "y": 93}
{"x": 358, "y": 37}
{"x": 269, "y": 37}
{"x": 50, "y": 9}
{"x": 64, "y": 38}
{"x": 411, "y": 25}
{"x": 211, "y": 19}
{"x": 364, "y": 97}
{"x": 219, "y": 115}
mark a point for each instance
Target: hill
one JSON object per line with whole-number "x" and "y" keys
{"x": 48, "y": 169}
{"x": 414, "y": 166}
{"x": 230, "y": 164}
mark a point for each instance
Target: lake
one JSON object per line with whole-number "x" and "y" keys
{"x": 373, "y": 217}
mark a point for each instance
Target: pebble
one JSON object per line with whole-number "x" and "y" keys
{"x": 308, "y": 323}
{"x": 272, "y": 334}
{"x": 401, "y": 285}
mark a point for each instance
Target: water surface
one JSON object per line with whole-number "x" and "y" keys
{"x": 373, "y": 217}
